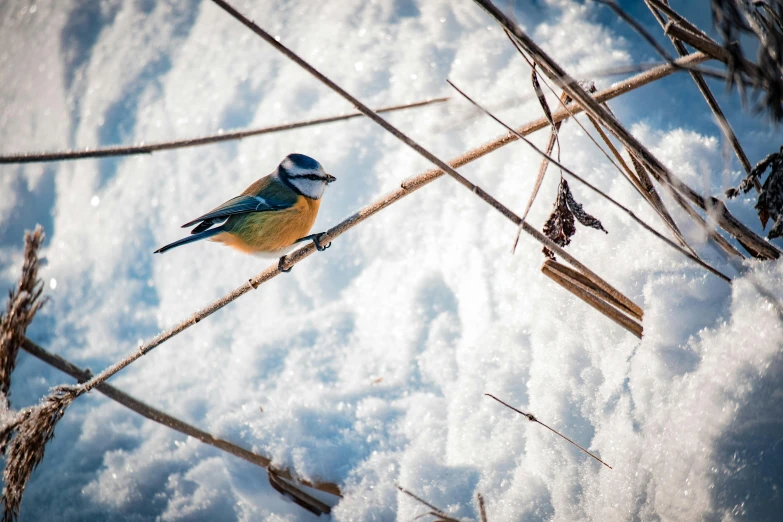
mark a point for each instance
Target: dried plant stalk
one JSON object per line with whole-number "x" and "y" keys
{"x": 714, "y": 208}
{"x": 712, "y": 103}
{"x": 103, "y": 152}
{"x": 167, "y": 420}
{"x": 644, "y": 187}
{"x": 482, "y": 508}
{"x": 571, "y": 173}
{"x": 710, "y": 231}
{"x": 710, "y": 47}
{"x": 532, "y": 418}
{"x": 24, "y": 438}
{"x": 23, "y": 303}
{"x": 588, "y": 294}
{"x": 299, "y": 497}
{"x": 626, "y": 306}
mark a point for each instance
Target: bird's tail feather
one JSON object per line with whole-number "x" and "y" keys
{"x": 190, "y": 239}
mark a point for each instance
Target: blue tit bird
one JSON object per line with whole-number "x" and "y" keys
{"x": 271, "y": 215}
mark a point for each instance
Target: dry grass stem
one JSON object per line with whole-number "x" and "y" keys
{"x": 532, "y": 418}
{"x": 23, "y": 303}
{"x": 571, "y": 173}
{"x": 167, "y": 420}
{"x": 644, "y": 186}
{"x": 712, "y": 103}
{"x": 714, "y": 208}
{"x": 582, "y": 288}
{"x": 434, "y": 511}
{"x": 482, "y": 508}
{"x": 299, "y": 497}
{"x": 24, "y": 439}
{"x": 711, "y": 47}
{"x": 640, "y": 30}
{"x": 708, "y": 229}
{"x": 103, "y": 152}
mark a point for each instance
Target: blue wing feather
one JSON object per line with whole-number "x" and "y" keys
{"x": 259, "y": 197}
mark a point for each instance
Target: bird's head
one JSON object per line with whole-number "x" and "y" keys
{"x": 305, "y": 175}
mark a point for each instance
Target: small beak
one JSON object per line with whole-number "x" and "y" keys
{"x": 330, "y": 178}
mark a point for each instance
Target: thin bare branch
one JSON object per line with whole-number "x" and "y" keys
{"x": 167, "y": 420}
{"x": 532, "y": 418}
{"x": 104, "y": 152}
{"x": 571, "y": 173}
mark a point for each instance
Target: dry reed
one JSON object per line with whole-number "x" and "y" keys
{"x": 23, "y": 303}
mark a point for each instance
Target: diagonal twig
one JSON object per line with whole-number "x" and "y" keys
{"x": 121, "y": 150}
{"x": 532, "y": 418}
{"x": 165, "y": 419}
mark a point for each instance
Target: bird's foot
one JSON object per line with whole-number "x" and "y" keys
{"x": 280, "y": 264}
{"x": 316, "y": 239}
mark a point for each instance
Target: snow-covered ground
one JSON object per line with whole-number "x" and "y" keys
{"x": 370, "y": 360}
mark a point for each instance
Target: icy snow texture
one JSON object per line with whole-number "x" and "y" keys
{"x": 370, "y": 360}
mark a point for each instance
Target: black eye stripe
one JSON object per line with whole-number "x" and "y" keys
{"x": 314, "y": 177}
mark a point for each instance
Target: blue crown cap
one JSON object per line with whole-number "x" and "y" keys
{"x": 304, "y": 162}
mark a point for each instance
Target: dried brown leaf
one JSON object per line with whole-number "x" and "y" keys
{"x": 561, "y": 226}
{"x": 770, "y": 201}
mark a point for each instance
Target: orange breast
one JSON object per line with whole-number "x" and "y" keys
{"x": 260, "y": 232}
